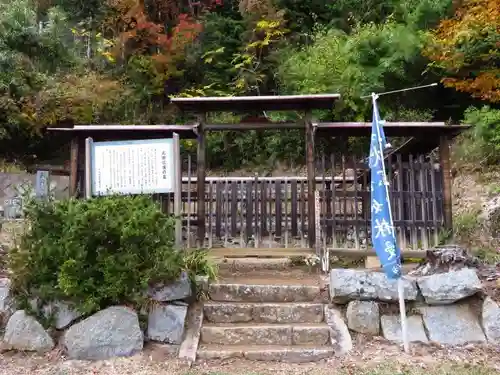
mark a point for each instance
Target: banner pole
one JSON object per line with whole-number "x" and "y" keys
{"x": 401, "y": 297}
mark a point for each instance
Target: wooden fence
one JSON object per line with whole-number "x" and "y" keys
{"x": 273, "y": 211}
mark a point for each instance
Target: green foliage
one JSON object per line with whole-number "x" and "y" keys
{"x": 98, "y": 252}
{"x": 480, "y": 146}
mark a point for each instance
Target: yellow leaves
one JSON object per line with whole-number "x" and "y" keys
{"x": 486, "y": 85}
{"x": 467, "y": 48}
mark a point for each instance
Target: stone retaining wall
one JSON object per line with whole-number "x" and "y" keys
{"x": 446, "y": 308}
{"x": 114, "y": 331}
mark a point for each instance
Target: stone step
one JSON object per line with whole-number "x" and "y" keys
{"x": 267, "y": 291}
{"x": 242, "y": 312}
{"x": 265, "y": 334}
{"x": 278, "y": 353}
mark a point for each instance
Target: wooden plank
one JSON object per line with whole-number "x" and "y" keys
{"x": 399, "y": 184}
{"x": 218, "y": 209}
{"x": 413, "y": 206}
{"x": 73, "y": 167}
{"x": 444, "y": 158}
{"x": 234, "y": 208}
{"x": 302, "y": 213}
{"x": 423, "y": 175}
{"x": 263, "y": 208}
{"x": 294, "y": 207}
{"x": 434, "y": 215}
{"x": 249, "y": 252}
{"x": 200, "y": 175}
{"x": 311, "y": 180}
{"x": 249, "y": 211}
{"x": 278, "y": 210}
{"x": 234, "y": 252}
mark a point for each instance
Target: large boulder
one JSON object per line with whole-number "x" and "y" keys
{"x": 491, "y": 320}
{"x": 449, "y": 287}
{"x": 363, "y": 317}
{"x": 392, "y": 331}
{"x": 24, "y": 332}
{"x": 349, "y": 284}
{"x": 113, "y": 332}
{"x": 166, "y": 323}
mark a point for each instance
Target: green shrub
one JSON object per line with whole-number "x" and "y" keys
{"x": 98, "y": 252}
{"x": 482, "y": 145}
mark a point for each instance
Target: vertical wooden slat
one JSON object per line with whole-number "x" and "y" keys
{"x": 302, "y": 212}
{"x": 226, "y": 210}
{"x": 423, "y": 190}
{"x": 294, "y": 207}
{"x": 249, "y": 211}
{"x": 402, "y": 194}
{"x": 189, "y": 203}
{"x": 444, "y": 158}
{"x": 285, "y": 188}
{"x": 344, "y": 205}
{"x": 234, "y": 208}
{"x": 278, "y": 210}
{"x": 263, "y": 208}
{"x": 311, "y": 180}
{"x": 210, "y": 212}
{"x": 256, "y": 212}
{"x": 270, "y": 209}
{"x": 355, "y": 185}
{"x": 323, "y": 200}
{"x": 242, "y": 214}
{"x": 413, "y": 207}
{"x": 434, "y": 202}
{"x": 366, "y": 203}
{"x": 334, "y": 202}
{"x": 201, "y": 173}
{"x": 218, "y": 209}
{"x": 73, "y": 167}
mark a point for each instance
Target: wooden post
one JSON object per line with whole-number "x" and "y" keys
{"x": 200, "y": 169}
{"x": 73, "y": 167}
{"x": 178, "y": 191}
{"x": 444, "y": 159}
{"x": 311, "y": 180}
{"x": 88, "y": 168}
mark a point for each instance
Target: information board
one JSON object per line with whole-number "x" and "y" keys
{"x": 132, "y": 167}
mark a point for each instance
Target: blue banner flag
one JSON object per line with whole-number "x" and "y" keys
{"x": 383, "y": 234}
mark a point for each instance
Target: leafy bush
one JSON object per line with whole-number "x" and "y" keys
{"x": 480, "y": 147}
{"x": 98, "y": 252}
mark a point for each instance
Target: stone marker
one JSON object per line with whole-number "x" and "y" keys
{"x": 452, "y": 325}
{"x": 166, "y": 323}
{"x": 491, "y": 320}
{"x": 340, "y": 337}
{"x": 175, "y": 291}
{"x": 24, "y": 332}
{"x": 449, "y": 287}
{"x": 113, "y": 332}
{"x": 349, "y": 284}
{"x": 391, "y": 328}
{"x": 363, "y": 317}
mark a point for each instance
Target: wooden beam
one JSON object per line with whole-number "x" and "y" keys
{"x": 311, "y": 180}
{"x": 444, "y": 159}
{"x": 73, "y": 167}
{"x": 355, "y": 253}
{"x": 200, "y": 179}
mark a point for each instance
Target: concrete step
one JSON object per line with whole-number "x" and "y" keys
{"x": 264, "y": 291}
{"x": 278, "y": 353}
{"x": 243, "y": 312}
{"x": 265, "y": 334}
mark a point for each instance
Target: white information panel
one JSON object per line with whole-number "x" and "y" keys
{"x": 133, "y": 167}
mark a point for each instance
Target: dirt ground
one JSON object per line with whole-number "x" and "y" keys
{"x": 377, "y": 357}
